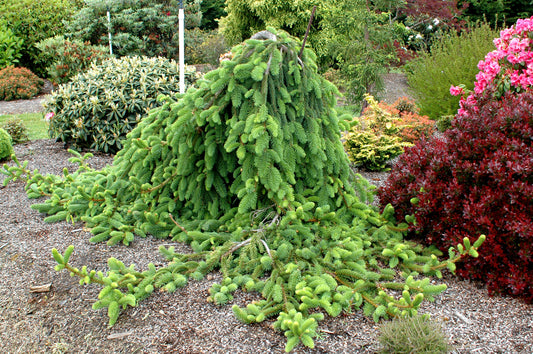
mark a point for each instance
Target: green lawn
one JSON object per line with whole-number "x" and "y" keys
{"x": 34, "y": 122}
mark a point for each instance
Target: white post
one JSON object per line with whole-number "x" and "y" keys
{"x": 181, "y": 18}
{"x": 109, "y": 31}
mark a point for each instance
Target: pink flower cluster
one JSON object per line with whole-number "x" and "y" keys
{"x": 509, "y": 67}
{"x": 512, "y": 58}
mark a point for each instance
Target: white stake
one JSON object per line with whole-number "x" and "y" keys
{"x": 181, "y": 18}
{"x": 109, "y": 31}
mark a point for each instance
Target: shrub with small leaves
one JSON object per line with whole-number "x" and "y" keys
{"x": 476, "y": 178}
{"x": 417, "y": 334}
{"x": 67, "y": 58}
{"x": 373, "y": 140}
{"x": 100, "y": 106}
{"x": 18, "y": 83}
{"x": 17, "y": 130}
{"x": 6, "y": 149}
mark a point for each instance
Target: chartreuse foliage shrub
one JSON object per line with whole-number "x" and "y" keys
{"x": 6, "y": 148}
{"x": 33, "y": 21}
{"x": 452, "y": 60}
{"x": 478, "y": 179}
{"x": 417, "y": 334}
{"x": 249, "y": 170}
{"x": 67, "y": 58}
{"x": 100, "y": 106}
{"x": 18, "y": 83}
{"x": 10, "y": 48}
{"x": 374, "y": 140}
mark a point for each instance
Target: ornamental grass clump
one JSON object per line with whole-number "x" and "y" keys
{"x": 413, "y": 335}
{"x": 249, "y": 170}
{"x": 18, "y": 83}
{"x": 100, "y": 106}
{"x": 477, "y": 178}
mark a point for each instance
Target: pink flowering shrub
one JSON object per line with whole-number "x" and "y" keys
{"x": 509, "y": 68}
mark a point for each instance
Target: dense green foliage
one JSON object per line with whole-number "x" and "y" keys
{"x": 417, "y": 334}
{"x": 248, "y": 169}
{"x": 65, "y": 58}
{"x": 453, "y": 60}
{"x": 17, "y": 130}
{"x": 248, "y": 17}
{"x": 352, "y": 36}
{"x": 34, "y": 21}
{"x": 10, "y": 48}
{"x": 497, "y": 12}
{"x": 100, "y": 106}
{"x": 142, "y": 27}
{"x": 359, "y": 42}
{"x": 212, "y": 11}
{"x": 18, "y": 83}
{"x": 6, "y": 147}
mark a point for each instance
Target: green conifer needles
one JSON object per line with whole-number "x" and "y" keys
{"x": 249, "y": 169}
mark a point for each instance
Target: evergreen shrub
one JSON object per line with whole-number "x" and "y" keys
{"x": 18, "y": 83}
{"x": 6, "y": 148}
{"x": 248, "y": 168}
{"x": 17, "y": 130}
{"x": 417, "y": 334}
{"x": 33, "y": 21}
{"x": 453, "y": 59}
{"x": 476, "y": 179}
{"x": 100, "y": 106}
{"x": 66, "y": 58}
{"x": 10, "y": 48}
{"x": 141, "y": 27}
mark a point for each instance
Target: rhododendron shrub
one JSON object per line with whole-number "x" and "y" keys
{"x": 475, "y": 179}
{"x": 509, "y": 68}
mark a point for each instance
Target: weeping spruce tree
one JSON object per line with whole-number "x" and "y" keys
{"x": 248, "y": 169}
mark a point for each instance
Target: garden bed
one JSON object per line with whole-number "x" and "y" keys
{"x": 62, "y": 319}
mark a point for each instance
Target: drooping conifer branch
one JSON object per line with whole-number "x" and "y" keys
{"x": 248, "y": 169}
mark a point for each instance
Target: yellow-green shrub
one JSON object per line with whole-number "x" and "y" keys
{"x": 374, "y": 140}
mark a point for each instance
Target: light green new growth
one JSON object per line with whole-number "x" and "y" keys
{"x": 249, "y": 169}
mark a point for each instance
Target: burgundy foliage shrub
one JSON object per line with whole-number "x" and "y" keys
{"x": 477, "y": 178}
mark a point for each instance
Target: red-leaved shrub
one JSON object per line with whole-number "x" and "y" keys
{"x": 477, "y": 178}
{"x": 18, "y": 83}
